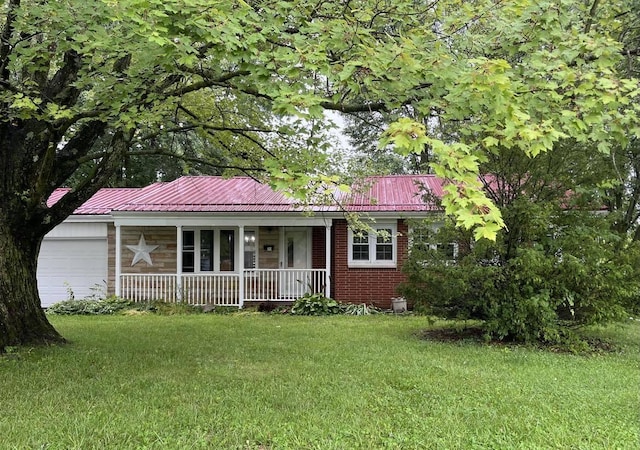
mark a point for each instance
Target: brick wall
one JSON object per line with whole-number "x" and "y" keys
{"x": 365, "y": 285}
{"x": 318, "y": 248}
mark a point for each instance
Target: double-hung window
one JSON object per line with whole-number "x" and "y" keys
{"x": 376, "y": 247}
{"x": 208, "y": 250}
{"x": 421, "y": 240}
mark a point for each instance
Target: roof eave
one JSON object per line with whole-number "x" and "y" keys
{"x": 75, "y": 218}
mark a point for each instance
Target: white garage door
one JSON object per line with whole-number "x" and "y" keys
{"x": 79, "y": 264}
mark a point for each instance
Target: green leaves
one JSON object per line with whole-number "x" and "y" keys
{"x": 407, "y": 135}
{"x": 458, "y": 163}
{"x": 25, "y": 106}
{"x": 519, "y": 75}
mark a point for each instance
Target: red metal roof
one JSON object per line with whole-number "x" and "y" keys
{"x": 396, "y": 193}
{"x": 103, "y": 202}
{"x": 209, "y": 194}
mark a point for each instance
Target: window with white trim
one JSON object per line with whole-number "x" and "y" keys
{"x": 208, "y": 250}
{"x": 422, "y": 239}
{"x": 376, "y": 247}
{"x": 449, "y": 250}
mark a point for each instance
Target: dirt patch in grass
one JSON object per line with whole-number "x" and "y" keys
{"x": 467, "y": 334}
{"x": 473, "y": 334}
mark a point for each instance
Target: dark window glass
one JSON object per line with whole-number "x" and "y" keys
{"x": 206, "y": 250}
{"x": 384, "y": 253}
{"x": 227, "y": 263}
{"x": 188, "y": 251}
{"x": 187, "y": 262}
{"x": 384, "y": 245}
{"x": 290, "y": 253}
{"x": 360, "y": 250}
{"x": 188, "y": 240}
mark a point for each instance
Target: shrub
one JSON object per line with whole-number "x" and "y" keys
{"x": 114, "y": 305}
{"x": 564, "y": 275}
{"x": 315, "y": 305}
{"x": 217, "y": 309}
{"x": 109, "y": 305}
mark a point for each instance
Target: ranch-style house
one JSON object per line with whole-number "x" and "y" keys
{"x": 208, "y": 240}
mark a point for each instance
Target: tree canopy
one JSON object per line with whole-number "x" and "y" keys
{"x": 515, "y": 73}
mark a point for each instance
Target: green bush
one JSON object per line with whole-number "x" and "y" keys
{"x": 570, "y": 273}
{"x": 315, "y": 305}
{"x": 217, "y": 309}
{"x": 109, "y": 305}
{"x": 114, "y": 305}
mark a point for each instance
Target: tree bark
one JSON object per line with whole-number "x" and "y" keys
{"x": 22, "y": 320}
{"x": 32, "y": 165}
{"x": 23, "y": 224}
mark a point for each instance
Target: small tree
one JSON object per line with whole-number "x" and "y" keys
{"x": 572, "y": 275}
{"x": 558, "y": 263}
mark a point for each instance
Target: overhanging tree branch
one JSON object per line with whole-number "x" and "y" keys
{"x": 5, "y": 39}
{"x": 98, "y": 177}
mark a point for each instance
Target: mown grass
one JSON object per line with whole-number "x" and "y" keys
{"x": 271, "y": 382}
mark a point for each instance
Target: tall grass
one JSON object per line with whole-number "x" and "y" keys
{"x": 271, "y": 382}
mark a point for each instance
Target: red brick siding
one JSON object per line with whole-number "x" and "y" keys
{"x": 365, "y": 285}
{"x": 318, "y": 248}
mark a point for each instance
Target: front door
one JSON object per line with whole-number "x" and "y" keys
{"x": 295, "y": 259}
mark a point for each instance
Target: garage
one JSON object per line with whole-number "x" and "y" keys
{"x": 73, "y": 257}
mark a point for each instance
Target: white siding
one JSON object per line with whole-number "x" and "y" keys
{"x": 78, "y": 230}
{"x": 73, "y": 256}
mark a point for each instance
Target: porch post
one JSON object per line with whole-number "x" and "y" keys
{"x": 327, "y": 263}
{"x": 241, "y": 265}
{"x": 118, "y": 271}
{"x": 179, "y": 263}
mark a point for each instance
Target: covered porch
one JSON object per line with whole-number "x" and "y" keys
{"x": 220, "y": 261}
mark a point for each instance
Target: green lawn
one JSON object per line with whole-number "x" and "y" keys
{"x": 271, "y": 382}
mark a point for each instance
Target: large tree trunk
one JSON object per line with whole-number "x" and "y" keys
{"x": 32, "y": 165}
{"x": 23, "y": 224}
{"x": 22, "y": 320}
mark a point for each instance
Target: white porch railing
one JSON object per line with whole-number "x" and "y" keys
{"x": 149, "y": 287}
{"x": 223, "y": 288}
{"x": 285, "y": 284}
{"x": 211, "y": 289}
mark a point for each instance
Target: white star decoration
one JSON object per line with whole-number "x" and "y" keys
{"x": 142, "y": 251}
